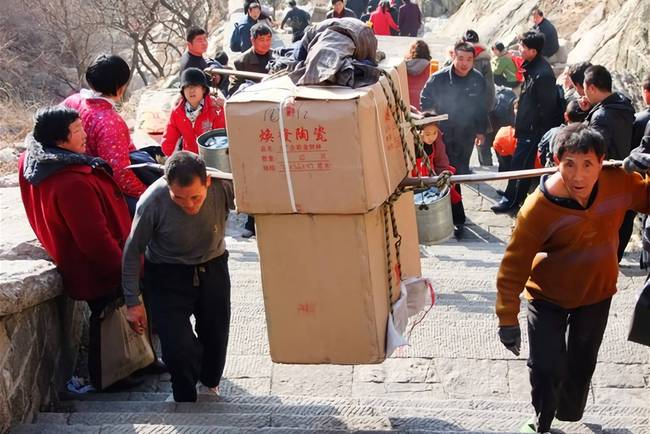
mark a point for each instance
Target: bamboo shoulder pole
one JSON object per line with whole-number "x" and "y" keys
{"x": 484, "y": 177}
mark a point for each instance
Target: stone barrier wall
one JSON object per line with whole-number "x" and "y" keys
{"x": 40, "y": 332}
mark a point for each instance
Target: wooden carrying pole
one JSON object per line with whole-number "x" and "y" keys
{"x": 245, "y": 74}
{"x": 484, "y": 177}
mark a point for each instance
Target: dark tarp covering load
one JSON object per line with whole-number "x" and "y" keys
{"x": 337, "y": 51}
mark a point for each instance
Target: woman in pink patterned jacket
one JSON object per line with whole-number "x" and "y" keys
{"x": 108, "y": 134}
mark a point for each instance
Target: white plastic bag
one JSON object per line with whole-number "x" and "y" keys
{"x": 416, "y": 295}
{"x": 397, "y": 321}
{"x": 420, "y": 294}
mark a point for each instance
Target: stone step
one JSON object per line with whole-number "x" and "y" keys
{"x": 450, "y": 421}
{"x": 75, "y": 402}
{"x": 606, "y": 417}
{"x": 199, "y": 429}
{"x": 603, "y": 414}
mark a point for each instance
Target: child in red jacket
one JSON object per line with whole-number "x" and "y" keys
{"x": 196, "y": 113}
{"x": 435, "y": 149}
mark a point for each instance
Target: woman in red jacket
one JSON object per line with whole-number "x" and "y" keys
{"x": 382, "y": 21}
{"x": 77, "y": 212}
{"x": 196, "y": 113}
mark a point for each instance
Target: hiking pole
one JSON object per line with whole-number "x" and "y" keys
{"x": 210, "y": 171}
{"x": 484, "y": 177}
{"x": 245, "y": 74}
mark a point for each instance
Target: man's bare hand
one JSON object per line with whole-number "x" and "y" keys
{"x": 137, "y": 318}
{"x": 480, "y": 139}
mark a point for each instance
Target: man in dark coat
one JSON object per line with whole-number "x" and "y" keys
{"x": 612, "y": 115}
{"x": 539, "y": 110}
{"x": 459, "y": 91}
{"x": 340, "y": 11}
{"x": 544, "y": 26}
{"x": 197, "y": 45}
{"x": 641, "y": 118}
{"x": 357, "y": 6}
{"x": 256, "y": 58}
{"x": 639, "y": 161}
{"x": 298, "y": 19}
{"x": 240, "y": 38}
{"x": 409, "y": 19}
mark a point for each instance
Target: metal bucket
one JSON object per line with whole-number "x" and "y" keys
{"x": 215, "y": 158}
{"x": 435, "y": 222}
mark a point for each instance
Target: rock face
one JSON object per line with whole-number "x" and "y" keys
{"x": 613, "y": 33}
{"x": 438, "y": 8}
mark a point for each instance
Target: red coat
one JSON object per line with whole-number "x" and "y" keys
{"x": 81, "y": 218}
{"x": 417, "y": 73}
{"x": 382, "y": 22}
{"x": 179, "y": 125}
{"x": 108, "y": 139}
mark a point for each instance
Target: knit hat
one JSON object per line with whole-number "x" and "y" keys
{"x": 193, "y": 76}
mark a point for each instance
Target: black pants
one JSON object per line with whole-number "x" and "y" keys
{"x": 94, "y": 339}
{"x": 458, "y": 210}
{"x": 505, "y": 163}
{"x": 250, "y": 223}
{"x": 459, "y": 145}
{"x": 625, "y": 233}
{"x": 176, "y": 292}
{"x": 523, "y": 158}
{"x": 485, "y": 150}
{"x": 564, "y": 347}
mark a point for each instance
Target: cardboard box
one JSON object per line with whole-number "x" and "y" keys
{"x": 325, "y": 283}
{"x": 341, "y": 152}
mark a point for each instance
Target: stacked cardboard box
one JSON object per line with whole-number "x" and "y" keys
{"x": 316, "y": 164}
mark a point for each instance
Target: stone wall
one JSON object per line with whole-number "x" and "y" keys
{"x": 40, "y": 329}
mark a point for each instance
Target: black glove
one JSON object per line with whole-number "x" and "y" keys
{"x": 511, "y": 338}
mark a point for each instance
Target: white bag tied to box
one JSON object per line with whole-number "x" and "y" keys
{"x": 415, "y": 294}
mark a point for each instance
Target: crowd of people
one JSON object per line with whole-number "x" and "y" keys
{"x": 113, "y": 234}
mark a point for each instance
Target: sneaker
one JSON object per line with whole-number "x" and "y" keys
{"x": 528, "y": 427}
{"x": 205, "y": 390}
{"x": 247, "y": 233}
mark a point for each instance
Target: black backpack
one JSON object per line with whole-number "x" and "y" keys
{"x": 504, "y": 111}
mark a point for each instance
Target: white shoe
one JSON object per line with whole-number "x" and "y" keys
{"x": 205, "y": 390}
{"x": 170, "y": 398}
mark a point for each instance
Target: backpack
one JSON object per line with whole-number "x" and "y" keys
{"x": 503, "y": 112}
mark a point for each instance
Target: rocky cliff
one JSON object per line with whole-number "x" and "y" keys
{"x": 613, "y": 33}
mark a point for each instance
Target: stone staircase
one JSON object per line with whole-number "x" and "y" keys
{"x": 454, "y": 377}
{"x": 148, "y": 413}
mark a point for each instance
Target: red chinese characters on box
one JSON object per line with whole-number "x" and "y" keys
{"x": 306, "y": 149}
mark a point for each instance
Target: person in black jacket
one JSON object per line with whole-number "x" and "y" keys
{"x": 612, "y": 115}
{"x": 298, "y": 19}
{"x": 639, "y": 161}
{"x": 340, "y": 11}
{"x": 459, "y": 91}
{"x": 641, "y": 118}
{"x": 539, "y": 110}
{"x": 544, "y": 26}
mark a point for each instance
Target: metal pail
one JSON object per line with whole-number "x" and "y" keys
{"x": 217, "y": 158}
{"x": 435, "y": 222}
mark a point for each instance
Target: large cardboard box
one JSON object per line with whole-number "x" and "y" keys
{"x": 340, "y": 150}
{"x": 325, "y": 283}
